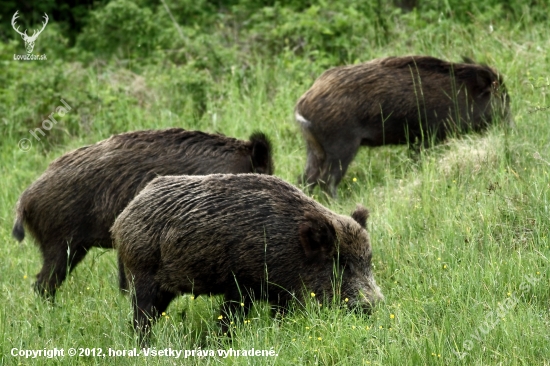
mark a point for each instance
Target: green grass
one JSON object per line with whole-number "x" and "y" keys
{"x": 455, "y": 231}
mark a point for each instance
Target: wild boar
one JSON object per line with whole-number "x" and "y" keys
{"x": 395, "y": 100}
{"x": 72, "y": 205}
{"x": 244, "y": 236}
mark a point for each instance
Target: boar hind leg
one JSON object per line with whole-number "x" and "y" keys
{"x": 339, "y": 153}
{"x": 314, "y": 162}
{"x": 122, "y": 280}
{"x": 57, "y": 263}
{"x": 149, "y": 303}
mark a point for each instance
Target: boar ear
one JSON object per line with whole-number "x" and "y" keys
{"x": 360, "y": 215}
{"x": 486, "y": 81}
{"x": 318, "y": 238}
{"x": 261, "y": 152}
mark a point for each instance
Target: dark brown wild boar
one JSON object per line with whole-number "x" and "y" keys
{"x": 72, "y": 206}
{"x": 244, "y": 236}
{"x": 395, "y": 100}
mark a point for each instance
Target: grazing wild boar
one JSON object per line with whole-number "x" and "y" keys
{"x": 244, "y": 236}
{"x": 393, "y": 100}
{"x": 72, "y": 206}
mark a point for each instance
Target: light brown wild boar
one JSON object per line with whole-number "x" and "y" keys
{"x": 71, "y": 207}
{"x": 244, "y": 236}
{"x": 395, "y": 100}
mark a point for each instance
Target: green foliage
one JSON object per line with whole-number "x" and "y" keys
{"x": 120, "y": 27}
{"x": 188, "y": 13}
{"x": 467, "y": 11}
{"x": 184, "y": 91}
{"x": 336, "y": 31}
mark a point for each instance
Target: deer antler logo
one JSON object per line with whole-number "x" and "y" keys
{"x": 29, "y": 41}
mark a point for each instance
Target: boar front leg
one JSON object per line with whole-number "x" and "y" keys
{"x": 235, "y": 305}
{"x": 149, "y": 302}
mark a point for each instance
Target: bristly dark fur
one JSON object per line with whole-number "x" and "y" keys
{"x": 78, "y": 197}
{"x": 396, "y": 100}
{"x": 244, "y": 236}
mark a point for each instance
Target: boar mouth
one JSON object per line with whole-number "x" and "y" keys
{"x": 365, "y": 302}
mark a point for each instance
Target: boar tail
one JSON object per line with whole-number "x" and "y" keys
{"x": 18, "y": 230}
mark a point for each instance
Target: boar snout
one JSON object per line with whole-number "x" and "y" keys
{"x": 366, "y": 299}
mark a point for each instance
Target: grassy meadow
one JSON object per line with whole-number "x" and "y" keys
{"x": 460, "y": 233}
